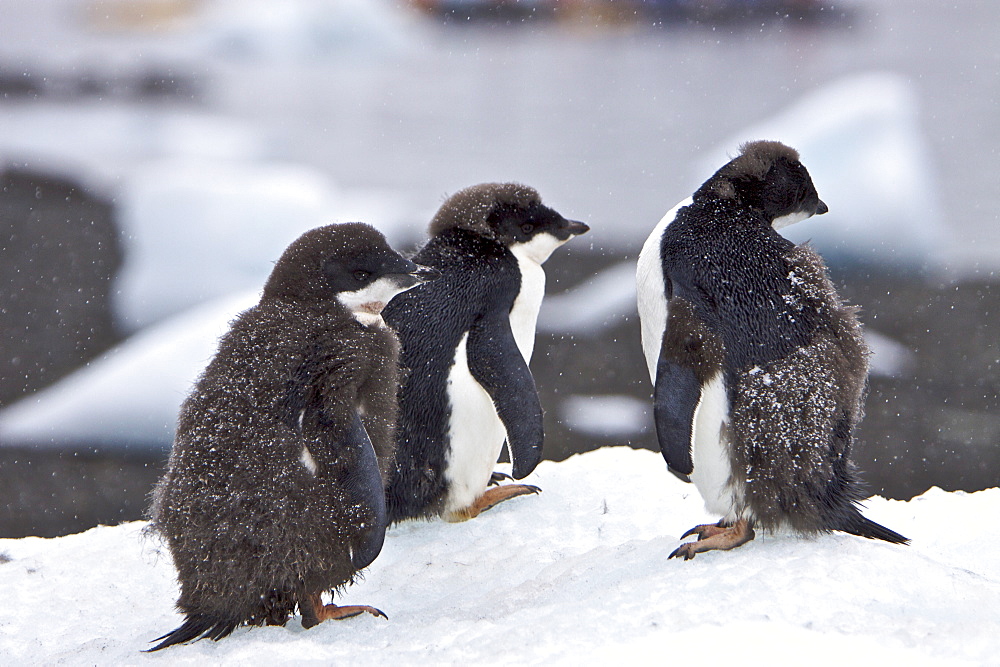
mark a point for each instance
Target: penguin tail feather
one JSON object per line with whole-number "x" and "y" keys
{"x": 864, "y": 527}
{"x": 196, "y": 626}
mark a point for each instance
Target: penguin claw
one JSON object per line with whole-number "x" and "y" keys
{"x": 714, "y": 537}
{"x": 706, "y": 530}
{"x": 684, "y": 550}
{"x": 498, "y": 477}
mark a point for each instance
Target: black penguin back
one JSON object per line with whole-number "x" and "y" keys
{"x": 729, "y": 264}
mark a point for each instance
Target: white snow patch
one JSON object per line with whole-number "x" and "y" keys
{"x": 576, "y": 574}
{"x": 300, "y": 31}
{"x": 101, "y": 144}
{"x": 889, "y": 358}
{"x": 609, "y": 416}
{"x": 601, "y": 301}
{"x": 199, "y": 230}
{"x": 203, "y": 211}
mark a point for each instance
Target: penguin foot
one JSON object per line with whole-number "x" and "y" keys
{"x": 315, "y": 612}
{"x": 715, "y": 537}
{"x": 493, "y": 496}
{"x": 498, "y": 477}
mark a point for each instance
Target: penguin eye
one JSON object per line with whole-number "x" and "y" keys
{"x": 361, "y": 275}
{"x": 527, "y": 228}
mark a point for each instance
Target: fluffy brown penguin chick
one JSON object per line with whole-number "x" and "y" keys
{"x": 274, "y": 491}
{"x": 759, "y": 369}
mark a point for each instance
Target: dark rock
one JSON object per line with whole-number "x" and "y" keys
{"x": 59, "y": 251}
{"x": 48, "y": 493}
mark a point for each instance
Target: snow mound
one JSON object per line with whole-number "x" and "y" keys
{"x": 204, "y": 210}
{"x": 196, "y": 230}
{"x": 578, "y": 573}
{"x": 861, "y": 141}
{"x": 606, "y": 416}
{"x": 200, "y": 230}
{"x": 100, "y": 145}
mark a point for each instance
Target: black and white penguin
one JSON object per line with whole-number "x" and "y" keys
{"x": 466, "y": 342}
{"x": 759, "y": 369}
{"x": 274, "y": 491}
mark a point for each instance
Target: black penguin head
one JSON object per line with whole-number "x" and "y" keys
{"x": 768, "y": 176}
{"x": 350, "y": 262}
{"x": 511, "y": 214}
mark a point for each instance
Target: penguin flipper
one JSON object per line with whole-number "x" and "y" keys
{"x": 196, "y": 626}
{"x": 675, "y": 399}
{"x": 496, "y": 363}
{"x": 364, "y": 487}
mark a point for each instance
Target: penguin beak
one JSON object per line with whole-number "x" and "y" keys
{"x": 409, "y": 274}
{"x": 425, "y": 273}
{"x": 575, "y": 227}
{"x": 416, "y": 275}
{"x": 821, "y": 208}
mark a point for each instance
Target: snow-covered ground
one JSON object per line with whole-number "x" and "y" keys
{"x": 576, "y": 575}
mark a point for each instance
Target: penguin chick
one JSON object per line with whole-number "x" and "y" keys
{"x": 759, "y": 369}
{"x": 466, "y": 342}
{"x": 274, "y": 491}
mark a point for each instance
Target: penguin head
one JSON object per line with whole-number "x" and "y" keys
{"x": 510, "y": 214}
{"x": 768, "y": 176}
{"x": 349, "y": 262}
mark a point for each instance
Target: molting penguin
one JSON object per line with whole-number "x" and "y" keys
{"x": 759, "y": 368}
{"x": 466, "y": 342}
{"x": 274, "y": 491}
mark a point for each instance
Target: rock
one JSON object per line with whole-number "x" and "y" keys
{"x": 59, "y": 252}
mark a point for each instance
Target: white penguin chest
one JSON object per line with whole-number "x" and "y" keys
{"x": 524, "y": 312}
{"x": 713, "y": 473}
{"x": 475, "y": 434}
{"x": 650, "y": 294}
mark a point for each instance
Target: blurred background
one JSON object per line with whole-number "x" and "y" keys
{"x": 156, "y": 156}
